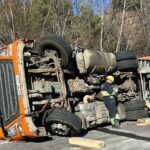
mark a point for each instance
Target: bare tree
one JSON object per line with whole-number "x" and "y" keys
{"x": 121, "y": 27}
{"x": 44, "y": 23}
{"x": 66, "y": 19}
{"x": 102, "y": 25}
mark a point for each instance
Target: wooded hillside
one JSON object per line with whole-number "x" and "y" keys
{"x": 123, "y": 25}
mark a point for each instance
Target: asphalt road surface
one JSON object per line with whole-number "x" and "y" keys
{"x": 130, "y": 137}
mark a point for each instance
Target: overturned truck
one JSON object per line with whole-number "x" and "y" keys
{"x": 45, "y": 88}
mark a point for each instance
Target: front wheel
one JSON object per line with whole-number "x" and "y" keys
{"x": 57, "y": 44}
{"x": 63, "y": 123}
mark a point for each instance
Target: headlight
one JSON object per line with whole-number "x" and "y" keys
{"x": 12, "y": 131}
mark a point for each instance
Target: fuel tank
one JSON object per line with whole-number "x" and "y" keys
{"x": 99, "y": 62}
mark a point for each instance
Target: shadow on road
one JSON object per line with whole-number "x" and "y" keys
{"x": 37, "y": 140}
{"x": 119, "y": 133}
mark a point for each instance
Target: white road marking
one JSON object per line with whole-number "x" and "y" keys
{"x": 5, "y": 142}
{"x": 73, "y": 148}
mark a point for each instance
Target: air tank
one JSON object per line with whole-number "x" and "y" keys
{"x": 99, "y": 62}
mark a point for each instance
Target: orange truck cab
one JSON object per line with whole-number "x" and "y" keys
{"x": 33, "y": 99}
{"x": 16, "y": 121}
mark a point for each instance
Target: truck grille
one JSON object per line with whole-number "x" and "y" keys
{"x": 8, "y": 92}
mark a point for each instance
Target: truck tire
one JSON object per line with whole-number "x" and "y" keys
{"x": 137, "y": 114}
{"x": 121, "y": 111}
{"x": 63, "y": 41}
{"x": 63, "y": 123}
{"x": 124, "y": 55}
{"x": 134, "y": 105}
{"x": 127, "y": 64}
{"x": 57, "y": 43}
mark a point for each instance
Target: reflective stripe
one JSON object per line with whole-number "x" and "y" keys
{"x": 105, "y": 93}
{"x": 111, "y": 97}
{"x": 117, "y": 116}
{"x": 112, "y": 120}
{"x": 114, "y": 93}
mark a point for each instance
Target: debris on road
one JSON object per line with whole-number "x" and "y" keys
{"x": 143, "y": 121}
{"x": 87, "y": 142}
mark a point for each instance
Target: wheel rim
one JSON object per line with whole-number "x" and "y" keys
{"x": 59, "y": 129}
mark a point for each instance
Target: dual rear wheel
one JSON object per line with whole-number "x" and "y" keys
{"x": 132, "y": 110}
{"x": 126, "y": 60}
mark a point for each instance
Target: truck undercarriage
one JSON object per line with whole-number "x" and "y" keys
{"x": 57, "y": 83}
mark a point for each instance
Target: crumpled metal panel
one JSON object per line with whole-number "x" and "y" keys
{"x": 94, "y": 113}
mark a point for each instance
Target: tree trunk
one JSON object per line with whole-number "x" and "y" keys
{"x": 121, "y": 27}
{"x": 102, "y": 26}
